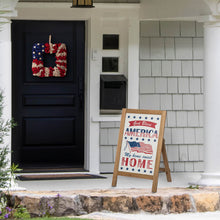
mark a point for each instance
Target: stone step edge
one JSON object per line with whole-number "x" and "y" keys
{"x": 81, "y": 204}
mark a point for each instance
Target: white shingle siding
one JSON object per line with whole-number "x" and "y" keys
{"x": 183, "y": 85}
{"x": 108, "y": 144}
{"x": 161, "y": 85}
{"x": 106, "y": 154}
{"x": 169, "y": 48}
{"x": 177, "y": 102}
{"x": 198, "y": 48}
{"x": 103, "y": 136}
{"x": 166, "y": 102}
{"x": 187, "y": 29}
{"x": 173, "y": 153}
{"x": 145, "y": 49}
{"x": 147, "y": 85}
{"x": 179, "y": 167}
{"x": 156, "y": 68}
{"x": 189, "y": 166}
{"x": 150, "y": 29}
{"x": 168, "y": 29}
{"x": 198, "y": 68}
{"x": 176, "y": 68}
{"x": 181, "y": 118}
{"x": 199, "y": 102}
{"x": 171, "y": 119}
{"x": 183, "y": 48}
{"x": 150, "y": 101}
{"x": 187, "y": 68}
{"x": 172, "y": 85}
{"x": 157, "y": 48}
{"x": 172, "y": 62}
{"x": 199, "y": 166}
{"x": 145, "y": 68}
{"x": 112, "y": 136}
{"x": 166, "y": 68}
{"x": 183, "y": 153}
{"x": 199, "y": 29}
{"x": 171, "y": 78}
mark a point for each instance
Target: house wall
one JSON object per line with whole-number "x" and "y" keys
{"x": 171, "y": 75}
{"x": 122, "y": 19}
{"x": 108, "y": 144}
{"x": 171, "y": 78}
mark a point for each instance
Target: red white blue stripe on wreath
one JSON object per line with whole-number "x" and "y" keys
{"x": 38, "y": 52}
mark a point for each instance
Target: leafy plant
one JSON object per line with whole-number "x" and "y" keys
{"x": 193, "y": 187}
{"x": 5, "y": 170}
{"x": 21, "y": 213}
{"x": 57, "y": 218}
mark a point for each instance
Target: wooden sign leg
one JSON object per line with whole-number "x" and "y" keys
{"x": 165, "y": 161}
{"x": 155, "y": 182}
{"x": 156, "y": 169}
{"x": 114, "y": 179}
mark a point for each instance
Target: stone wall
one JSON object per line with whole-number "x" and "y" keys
{"x": 171, "y": 78}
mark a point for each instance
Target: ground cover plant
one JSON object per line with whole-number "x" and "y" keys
{"x": 57, "y": 218}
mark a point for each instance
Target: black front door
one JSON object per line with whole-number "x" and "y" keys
{"x": 49, "y": 111}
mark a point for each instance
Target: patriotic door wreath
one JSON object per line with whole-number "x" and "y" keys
{"x": 38, "y": 52}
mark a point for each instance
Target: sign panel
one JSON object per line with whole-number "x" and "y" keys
{"x": 140, "y": 144}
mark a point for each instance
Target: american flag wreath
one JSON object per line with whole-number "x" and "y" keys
{"x": 38, "y": 52}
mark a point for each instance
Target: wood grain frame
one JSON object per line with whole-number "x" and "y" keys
{"x": 160, "y": 149}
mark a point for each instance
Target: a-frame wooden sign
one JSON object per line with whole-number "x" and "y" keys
{"x": 140, "y": 145}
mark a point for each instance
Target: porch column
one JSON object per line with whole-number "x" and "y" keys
{"x": 211, "y": 176}
{"x": 7, "y": 10}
